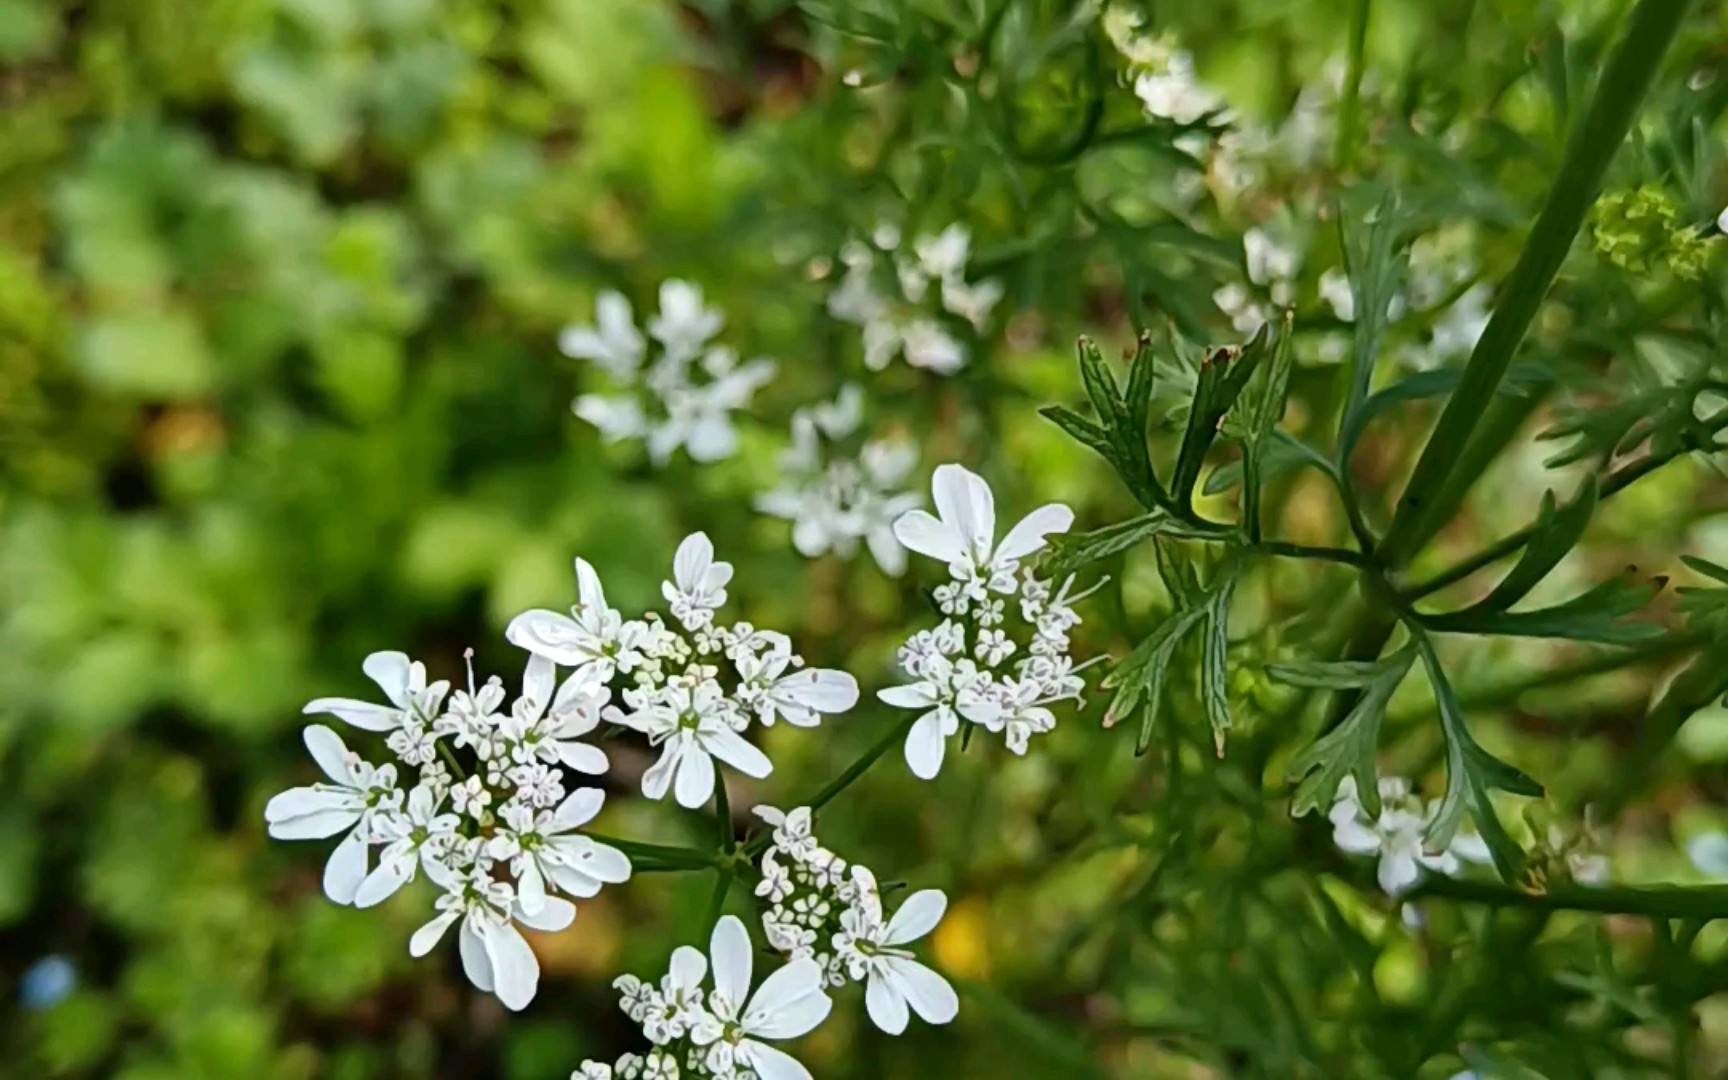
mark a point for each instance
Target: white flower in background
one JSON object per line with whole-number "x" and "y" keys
{"x": 874, "y": 953}
{"x": 413, "y": 702}
{"x": 720, "y": 1031}
{"x": 1708, "y": 852}
{"x": 1246, "y": 314}
{"x": 682, "y": 398}
{"x": 692, "y": 685}
{"x": 1335, "y": 290}
{"x": 1722, "y": 221}
{"x": 1000, "y": 658}
{"x": 613, "y": 342}
{"x": 901, "y": 300}
{"x": 481, "y": 826}
{"x": 1396, "y": 835}
{"x": 354, "y": 800}
{"x": 1272, "y": 263}
{"x": 1164, "y": 76}
{"x": 1460, "y": 326}
{"x": 834, "y": 500}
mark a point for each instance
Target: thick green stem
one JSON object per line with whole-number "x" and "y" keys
{"x": 1661, "y": 902}
{"x": 1597, "y": 138}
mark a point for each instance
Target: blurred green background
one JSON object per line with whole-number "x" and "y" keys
{"x": 280, "y": 286}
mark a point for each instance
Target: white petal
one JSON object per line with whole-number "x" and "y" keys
{"x": 769, "y": 1063}
{"x": 965, "y": 504}
{"x": 531, "y": 889}
{"x": 730, "y": 747}
{"x": 925, "y": 746}
{"x": 658, "y": 778}
{"x": 887, "y": 552}
{"x": 688, "y": 967}
{"x": 712, "y": 438}
{"x": 476, "y": 964}
{"x": 1356, "y": 838}
{"x": 319, "y": 825}
{"x": 548, "y": 634}
{"x": 1398, "y": 871}
{"x": 330, "y": 752}
{"x": 539, "y": 680}
{"x": 729, "y": 948}
{"x": 695, "y": 782}
{"x": 917, "y": 916}
{"x": 554, "y": 915}
{"x": 692, "y": 560}
{"x": 427, "y": 936}
{"x": 1471, "y": 847}
{"x": 910, "y": 696}
{"x": 346, "y": 868}
{"x": 920, "y": 532}
{"x": 514, "y": 968}
{"x": 584, "y": 758}
{"x": 886, "y": 1006}
{"x": 302, "y": 802}
{"x": 929, "y": 994}
{"x": 361, "y": 714}
{"x": 588, "y": 588}
{"x": 579, "y": 807}
{"x": 1028, "y": 536}
{"x": 789, "y": 1003}
{"x": 395, "y": 869}
{"x": 393, "y": 672}
{"x": 822, "y": 689}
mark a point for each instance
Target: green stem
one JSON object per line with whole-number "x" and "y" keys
{"x": 1703, "y": 681}
{"x": 1598, "y": 137}
{"x": 895, "y": 734}
{"x": 722, "y": 815}
{"x": 1346, "y": 556}
{"x": 688, "y": 858}
{"x": 717, "y": 900}
{"x": 1350, "y": 109}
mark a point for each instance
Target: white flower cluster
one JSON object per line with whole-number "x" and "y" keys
{"x": 1441, "y": 290}
{"x": 835, "y": 500}
{"x": 899, "y": 298}
{"x": 823, "y": 910}
{"x": 685, "y": 396}
{"x": 1000, "y": 657}
{"x": 693, "y": 689}
{"x": 704, "y": 1022}
{"x": 498, "y": 841}
{"x": 1396, "y": 835}
{"x": 1272, "y": 265}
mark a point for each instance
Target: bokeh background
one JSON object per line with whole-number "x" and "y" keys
{"x": 280, "y": 288}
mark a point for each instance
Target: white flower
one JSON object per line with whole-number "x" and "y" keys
{"x": 1335, "y": 290}
{"x": 1175, "y": 93}
{"x": 545, "y": 846}
{"x": 699, "y": 418}
{"x": 593, "y": 1070}
{"x": 927, "y": 741}
{"x": 617, "y": 417}
{"x": 964, "y": 533}
{"x": 928, "y": 346}
{"x": 691, "y": 727}
{"x": 872, "y": 950}
{"x": 1269, "y": 261}
{"x": 551, "y": 737}
{"x": 614, "y": 343}
{"x": 356, "y": 797}
{"x": 1396, "y": 835}
{"x": 698, "y": 584}
{"x": 416, "y": 835}
{"x": 973, "y": 302}
{"x": 1709, "y": 851}
{"x": 594, "y": 639}
{"x": 882, "y": 339}
{"x": 495, "y": 956}
{"x": 412, "y": 699}
{"x": 685, "y": 323}
{"x": 1722, "y": 221}
{"x": 792, "y": 829}
{"x": 789, "y": 1003}
{"x": 944, "y": 255}
{"x": 802, "y": 696}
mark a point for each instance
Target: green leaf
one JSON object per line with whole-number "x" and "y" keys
{"x": 1214, "y": 657}
{"x": 1119, "y": 433}
{"x": 1280, "y": 455}
{"x": 1223, "y": 374}
{"x": 1350, "y": 748}
{"x": 1140, "y": 675}
{"x": 1078, "y": 551}
{"x": 1471, "y": 773}
{"x": 1595, "y": 616}
{"x": 1557, "y": 532}
{"x": 1376, "y": 276}
{"x": 1520, "y": 381}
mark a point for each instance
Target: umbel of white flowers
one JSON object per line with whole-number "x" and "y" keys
{"x": 1000, "y": 657}
{"x": 705, "y": 1022}
{"x": 901, "y": 309}
{"x": 835, "y": 500}
{"x": 1396, "y": 835}
{"x": 693, "y": 689}
{"x": 824, "y": 910}
{"x": 685, "y": 395}
{"x": 500, "y": 842}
